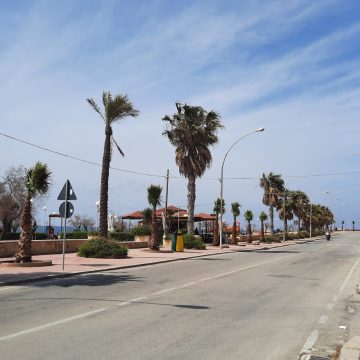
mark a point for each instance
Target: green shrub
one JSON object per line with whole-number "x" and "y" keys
{"x": 12, "y": 236}
{"x": 93, "y": 233}
{"x": 192, "y": 242}
{"x": 199, "y": 244}
{"x": 41, "y": 236}
{"x": 144, "y": 230}
{"x": 102, "y": 248}
{"x": 121, "y": 236}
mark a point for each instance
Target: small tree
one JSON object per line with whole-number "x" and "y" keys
{"x": 75, "y": 221}
{"x": 235, "y": 209}
{"x": 248, "y": 215}
{"x": 87, "y": 222}
{"x": 37, "y": 183}
{"x": 154, "y": 196}
{"x": 263, "y": 217}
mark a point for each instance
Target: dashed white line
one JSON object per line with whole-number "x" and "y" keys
{"x": 189, "y": 284}
{"x": 323, "y": 319}
{"x": 310, "y": 342}
{"x": 165, "y": 291}
{"x": 124, "y": 303}
{"x": 48, "y": 325}
{"x": 330, "y": 306}
{"x": 138, "y": 299}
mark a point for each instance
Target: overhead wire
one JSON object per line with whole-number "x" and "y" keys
{"x": 163, "y": 176}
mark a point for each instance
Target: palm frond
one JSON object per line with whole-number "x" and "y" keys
{"x": 95, "y": 107}
{"x": 118, "y": 147}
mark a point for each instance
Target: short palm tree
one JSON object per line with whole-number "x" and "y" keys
{"x": 154, "y": 197}
{"x": 192, "y": 131}
{"x": 263, "y": 217}
{"x": 37, "y": 183}
{"x": 115, "y": 109}
{"x": 353, "y": 224}
{"x": 218, "y": 209}
{"x": 285, "y": 207}
{"x": 273, "y": 186}
{"x": 248, "y": 215}
{"x": 235, "y": 209}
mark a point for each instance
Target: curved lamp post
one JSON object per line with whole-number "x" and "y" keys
{"x": 222, "y": 177}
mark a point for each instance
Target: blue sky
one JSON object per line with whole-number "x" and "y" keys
{"x": 292, "y": 67}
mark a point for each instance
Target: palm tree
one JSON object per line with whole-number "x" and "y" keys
{"x": 300, "y": 203}
{"x": 235, "y": 209}
{"x": 263, "y": 217}
{"x": 37, "y": 183}
{"x": 154, "y": 197}
{"x": 248, "y": 215}
{"x": 285, "y": 208}
{"x": 115, "y": 109}
{"x": 342, "y": 225}
{"x": 353, "y": 224}
{"x": 273, "y": 186}
{"x": 217, "y": 210}
{"x": 192, "y": 131}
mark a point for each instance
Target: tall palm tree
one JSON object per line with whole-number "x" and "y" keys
{"x": 192, "y": 131}
{"x": 218, "y": 209}
{"x": 263, "y": 217}
{"x": 248, "y": 215}
{"x": 300, "y": 203}
{"x": 285, "y": 207}
{"x": 154, "y": 197}
{"x": 37, "y": 183}
{"x": 235, "y": 209}
{"x": 273, "y": 186}
{"x": 115, "y": 109}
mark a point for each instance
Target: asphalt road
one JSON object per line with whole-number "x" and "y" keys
{"x": 259, "y": 305}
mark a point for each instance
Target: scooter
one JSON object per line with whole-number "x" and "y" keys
{"x": 327, "y": 235}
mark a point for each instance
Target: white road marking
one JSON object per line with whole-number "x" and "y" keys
{"x": 189, "y": 284}
{"x": 124, "y": 303}
{"x": 342, "y": 287}
{"x": 164, "y": 291}
{"x": 323, "y": 319}
{"x": 205, "y": 279}
{"x": 330, "y": 306}
{"x": 310, "y": 342}
{"x": 48, "y": 325}
{"x": 138, "y": 299}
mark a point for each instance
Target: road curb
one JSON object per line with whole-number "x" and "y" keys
{"x": 351, "y": 349}
{"x": 67, "y": 275}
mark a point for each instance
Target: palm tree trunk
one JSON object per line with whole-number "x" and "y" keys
{"x": 104, "y": 189}
{"x": 262, "y": 231}
{"x": 299, "y": 225}
{"x": 271, "y": 215}
{"x": 191, "y": 196}
{"x": 248, "y": 230}
{"x": 216, "y": 240}
{"x": 23, "y": 253}
{"x": 234, "y": 242}
{"x": 153, "y": 243}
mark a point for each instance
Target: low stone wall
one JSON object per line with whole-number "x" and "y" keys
{"x": 43, "y": 247}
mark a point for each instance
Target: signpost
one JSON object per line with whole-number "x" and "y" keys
{"x": 66, "y": 210}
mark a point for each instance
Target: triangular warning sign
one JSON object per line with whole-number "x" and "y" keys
{"x": 70, "y": 192}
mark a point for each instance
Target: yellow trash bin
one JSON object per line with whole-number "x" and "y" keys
{"x": 179, "y": 243}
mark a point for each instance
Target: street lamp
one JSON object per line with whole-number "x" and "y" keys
{"x": 222, "y": 176}
{"x": 97, "y": 214}
{"x": 44, "y": 208}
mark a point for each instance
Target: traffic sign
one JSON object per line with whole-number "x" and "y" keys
{"x": 69, "y": 209}
{"x": 70, "y": 195}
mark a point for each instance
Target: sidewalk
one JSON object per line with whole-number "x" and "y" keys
{"x": 75, "y": 265}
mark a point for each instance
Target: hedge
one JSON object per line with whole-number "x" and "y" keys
{"x": 102, "y": 248}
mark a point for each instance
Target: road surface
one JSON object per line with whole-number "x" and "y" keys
{"x": 260, "y": 305}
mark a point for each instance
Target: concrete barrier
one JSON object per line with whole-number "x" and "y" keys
{"x": 42, "y": 247}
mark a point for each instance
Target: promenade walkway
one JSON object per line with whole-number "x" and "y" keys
{"x": 136, "y": 257}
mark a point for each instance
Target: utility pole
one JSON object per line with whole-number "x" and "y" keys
{"x": 284, "y": 210}
{"x": 166, "y": 202}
